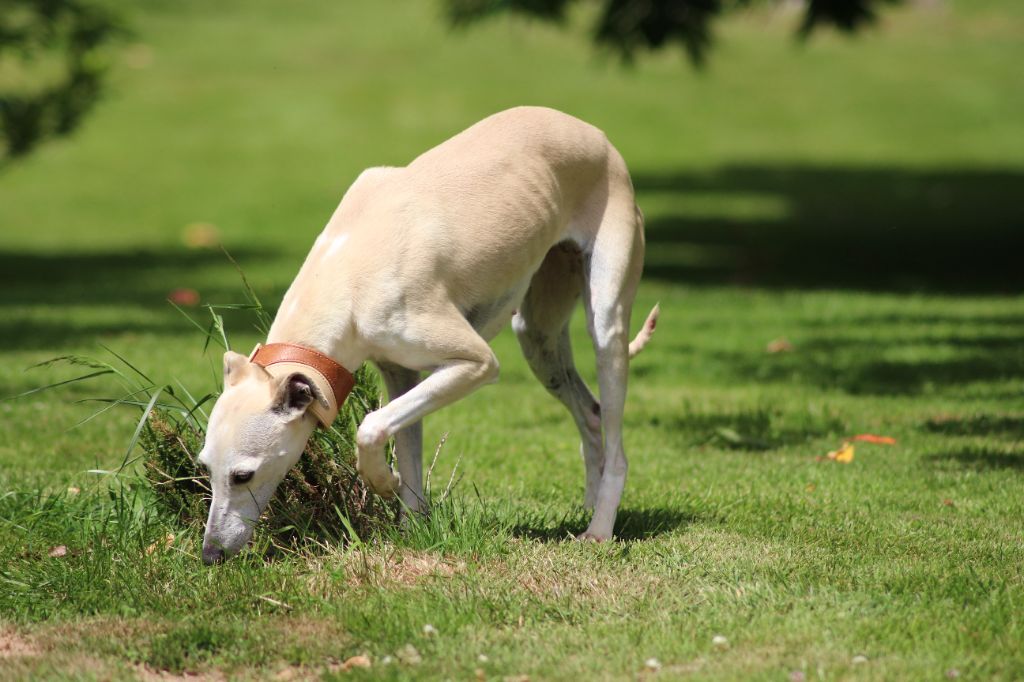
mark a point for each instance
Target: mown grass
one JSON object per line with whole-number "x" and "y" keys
{"x": 859, "y": 199}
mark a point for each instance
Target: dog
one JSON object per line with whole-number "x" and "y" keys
{"x": 515, "y": 218}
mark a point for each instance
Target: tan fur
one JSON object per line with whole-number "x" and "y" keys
{"x": 420, "y": 266}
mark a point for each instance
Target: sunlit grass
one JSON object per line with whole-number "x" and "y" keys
{"x": 859, "y": 199}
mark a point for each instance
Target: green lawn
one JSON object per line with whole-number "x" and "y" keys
{"x": 860, "y": 198}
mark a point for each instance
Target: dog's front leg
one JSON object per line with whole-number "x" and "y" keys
{"x": 408, "y": 441}
{"x": 453, "y": 379}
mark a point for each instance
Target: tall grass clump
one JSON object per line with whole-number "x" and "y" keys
{"x": 322, "y": 500}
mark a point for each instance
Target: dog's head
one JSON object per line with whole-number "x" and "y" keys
{"x": 258, "y": 429}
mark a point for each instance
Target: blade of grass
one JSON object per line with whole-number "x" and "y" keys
{"x": 197, "y": 405}
{"x": 356, "y": 540}
{"x": 139, "y": 427}
{"x": 83, "y": 361}
{"x": 125, "y": 361}
{"x": 80, "y": 360}
{"x": 218, "y": 326}
{"x": 40, "y": 389}
{"x": 263, "y": 320}
{"x": 169, "y": 407}
{"x": 204, "y": 330}
{"x": 113, "y": 402}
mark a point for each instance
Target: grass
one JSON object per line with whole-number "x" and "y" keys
{"x": 858, "y": 198}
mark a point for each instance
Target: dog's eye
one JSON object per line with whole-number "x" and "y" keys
{"x": 240, "y": 477}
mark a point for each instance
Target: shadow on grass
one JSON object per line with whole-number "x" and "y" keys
{"x": 860, "y": 366}
{"x": 630, "y": 524}
{"x": 977, "y": 425}
{"x": 868, "y": 376}
{"x": 980, "y": 457}
{"x": 752, "y": 430}
{"x": 871, "y": 228}
{"x": 138, "y": 277}
{"x": 20, "y": 333}
{"x": 43, "y": 285}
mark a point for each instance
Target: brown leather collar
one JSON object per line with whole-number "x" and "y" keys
{"x": 333, "y": 380}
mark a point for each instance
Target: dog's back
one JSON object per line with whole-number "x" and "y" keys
{"x": 507, "y": 189}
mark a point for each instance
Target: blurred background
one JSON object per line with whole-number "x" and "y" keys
{"x": 776, "y": 147}
{"x": 887, "y": 159}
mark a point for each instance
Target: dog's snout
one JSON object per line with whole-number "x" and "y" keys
{"x": 212, "y": 555}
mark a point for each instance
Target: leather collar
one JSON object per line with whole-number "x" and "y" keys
{"x": 333, "y": 381}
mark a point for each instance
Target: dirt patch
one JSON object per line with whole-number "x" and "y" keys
{"x": 302, "y": 629}
{"x": 59, "y": 647}
{"x": 147, "y": 674}
{"x": 28, "y": 657}
{"x": 413, "y": 567}
{"x": 550, "y": 573}
{"x": 320, "y": 638}
{"x": 301, "y": 672}
{"x": 402, "y": 568}
{"x": 119, "y": 629}
{"x": 14, "y": 645}
{"x": 610, "y": 588}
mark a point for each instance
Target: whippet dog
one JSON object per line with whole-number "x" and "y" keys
{"x": 513, "y": 219}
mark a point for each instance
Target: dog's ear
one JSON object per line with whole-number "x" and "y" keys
{"x": 235, "y": 367}
{"x": 295, "y": 394}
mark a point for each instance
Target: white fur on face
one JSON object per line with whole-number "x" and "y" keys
{"x": 246, "y": 435}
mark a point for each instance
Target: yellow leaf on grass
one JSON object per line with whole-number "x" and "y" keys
{"x": 779, "y": 345}
{"x": 162, "y": 543}
{"x": 356, "y": 662}
{"x": 201, "y": 236}
{"x": 872, "y": 438}
{"x": 843, "y": 454}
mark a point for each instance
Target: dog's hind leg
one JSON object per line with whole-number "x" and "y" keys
{"x": 542, "y": 327}
{"x": 611, "y": 273}
{"x": 408, "y": 441}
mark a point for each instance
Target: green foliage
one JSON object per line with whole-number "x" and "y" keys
{"x": 171, "y": 468}
{"x": 845, "y": 15}
{"x": 630, "y": 26}
{"x": 54, "y": 47}
{"x": 321, "y": 501}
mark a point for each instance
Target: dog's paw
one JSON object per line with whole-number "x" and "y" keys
{"x": 592, "y": 536}
{"x": 385, "y": 484}
{"x": 374, "y": 470}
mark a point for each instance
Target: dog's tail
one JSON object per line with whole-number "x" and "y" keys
{"x": 645, "y": 333}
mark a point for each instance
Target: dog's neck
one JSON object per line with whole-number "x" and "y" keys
{"x": 303, "y": 326}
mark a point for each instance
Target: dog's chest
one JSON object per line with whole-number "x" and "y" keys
{"x": 490, "y": 317}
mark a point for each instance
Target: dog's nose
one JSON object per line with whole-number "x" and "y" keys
{"x": 212, "y": 555}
